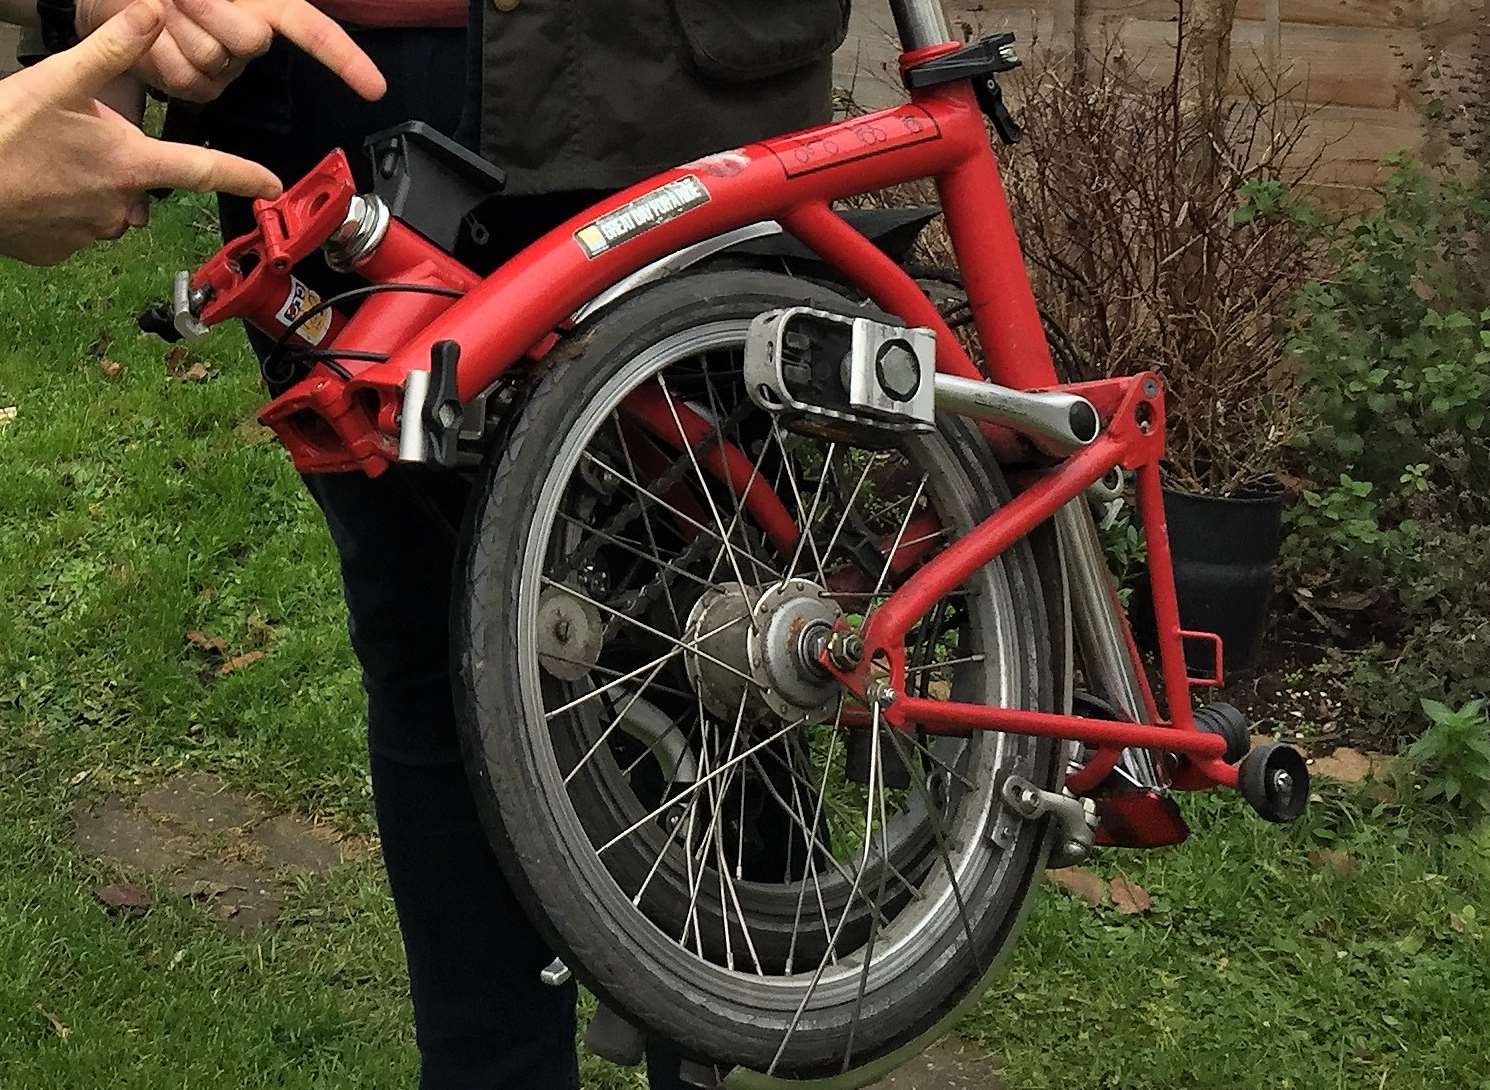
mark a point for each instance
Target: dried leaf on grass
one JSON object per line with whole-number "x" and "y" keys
{"x": 214, "y": 645}
{"x": 124, "y": 900}
{"x": 1079, "y": 882}
{"x": 1334, "y": 860}
{"x": 7, "y": 415}
{"x": 181, "y": 364}
{"x": 238, "y": 662}
{"x": 61, "y": 1029}
{"x": 1129, "y": 898}
{"x": 110, "y": 368}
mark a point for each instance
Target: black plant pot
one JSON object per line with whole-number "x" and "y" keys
{"x": 1225, "y": 549}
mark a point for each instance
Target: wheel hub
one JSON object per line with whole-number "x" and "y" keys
{"x": 758, "y": 646}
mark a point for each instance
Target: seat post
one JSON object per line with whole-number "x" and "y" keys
{"x": 921, "y": 23}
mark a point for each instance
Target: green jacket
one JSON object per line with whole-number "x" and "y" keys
{"x": 597, "y": 94}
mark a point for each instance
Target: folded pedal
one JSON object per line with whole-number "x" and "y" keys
{"x": 840, "y": 377}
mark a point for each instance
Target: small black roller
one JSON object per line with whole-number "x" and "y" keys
{"x": 1227, "y": 721}
{"x": 1275, "y": 780}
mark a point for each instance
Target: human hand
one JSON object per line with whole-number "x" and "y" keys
{"x": 207, "y": 43}
{"x": 72, "y": 170}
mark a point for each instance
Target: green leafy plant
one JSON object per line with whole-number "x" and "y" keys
{"x": 1452, "y": 758}
{"x": 1388, "y": 543}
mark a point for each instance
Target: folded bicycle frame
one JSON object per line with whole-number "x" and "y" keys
{"x": 453, "y": 337}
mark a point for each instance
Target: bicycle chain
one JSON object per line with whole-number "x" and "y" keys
{"x": 643, "y": 597}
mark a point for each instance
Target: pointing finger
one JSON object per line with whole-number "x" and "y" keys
{"x": 182, "y": 166}
{"x": 324, "y": 39}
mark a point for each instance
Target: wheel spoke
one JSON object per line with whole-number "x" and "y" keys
{"x": 662, "y": 503}
{"x": 619, "y": 718}
{"x": 702, "y": 782}
{"x": 679, "y": 645}
{"x": 895, "y": 546}
{"x": 703, "y": 485}
{"x": 647, "y": 525}
{"x": 822, "y": 965}
{"x": 849, "y": 506}
{"x": 614, "y": 683}
{"x": 877, "y": 777}
{"x": 817, "y": 817}
{"x": 637, "y": 551}
{"x": 806, "y": 534}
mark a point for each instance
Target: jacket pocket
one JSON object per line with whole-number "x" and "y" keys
{"x": 740, "y": 42}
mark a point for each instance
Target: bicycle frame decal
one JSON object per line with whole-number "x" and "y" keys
{"x": 642, "y": 215}
{"x": 855, "y": 139}
{"x": 348, "y": 417}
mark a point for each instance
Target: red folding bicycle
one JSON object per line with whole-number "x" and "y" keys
{"x": 787, "y": 652}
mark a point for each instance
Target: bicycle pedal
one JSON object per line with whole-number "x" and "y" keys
{"x": 701, "y": 1076}
{"x": 843, "y": 378}
{"x": 614, "y": 1039}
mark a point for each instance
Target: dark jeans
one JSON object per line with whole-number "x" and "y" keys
{"x": 484, "y": 1020}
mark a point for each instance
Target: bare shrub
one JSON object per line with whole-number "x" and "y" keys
{"x": 1159, "y": 247}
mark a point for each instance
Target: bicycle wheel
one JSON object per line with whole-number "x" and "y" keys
{"x": 716, "y": 842}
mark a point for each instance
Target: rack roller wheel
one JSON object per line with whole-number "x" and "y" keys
{"x": 1275, "y": 780}
{"x": 1227, "y": 721}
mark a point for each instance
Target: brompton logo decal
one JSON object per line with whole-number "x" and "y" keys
{"x": 665, "y": 203}
{"x": 301, "y": 299}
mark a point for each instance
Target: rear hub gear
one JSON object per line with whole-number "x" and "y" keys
{"x": 793, "y": 617}
{"x": 759, "y": 647}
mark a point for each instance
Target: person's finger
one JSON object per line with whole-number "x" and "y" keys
{"x": 200, "y": 48}
{"x": 109, "y": 52}
{"x": 320, "y": 36}
{"x": 241, "y": 32}
{"x": 177, "y": 76}
{"x": 164, "y": 165}
{"x": 139, "y": 212}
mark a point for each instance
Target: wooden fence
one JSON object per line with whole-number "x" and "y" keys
{"x": 1368, "y": 65}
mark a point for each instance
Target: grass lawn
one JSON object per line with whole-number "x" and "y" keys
{"x": 137, "y": 506}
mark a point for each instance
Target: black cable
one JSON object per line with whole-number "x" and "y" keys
{"x": 275, "y": 353}
{"x": 329, "y": 356}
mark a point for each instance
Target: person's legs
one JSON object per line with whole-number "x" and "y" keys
{"x": 483, "y": 1018}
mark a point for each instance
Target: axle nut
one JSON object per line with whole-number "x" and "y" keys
{"x": 845, "y": 650}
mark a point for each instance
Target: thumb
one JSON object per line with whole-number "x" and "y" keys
{"x": 109, "y": 52}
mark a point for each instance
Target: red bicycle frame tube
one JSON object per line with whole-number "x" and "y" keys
{"x": 337, "y": 421}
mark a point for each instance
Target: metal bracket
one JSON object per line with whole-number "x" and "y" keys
{"x": 1076, "y": 818}
{"x": 183, "y": 314}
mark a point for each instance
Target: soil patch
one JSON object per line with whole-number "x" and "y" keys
{"x": 216, "y": 847}
{"x": 950, "y": 1065}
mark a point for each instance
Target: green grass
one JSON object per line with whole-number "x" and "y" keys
{"x": 133, "y": 508}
